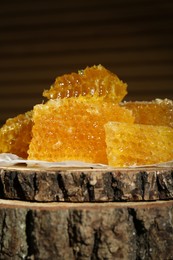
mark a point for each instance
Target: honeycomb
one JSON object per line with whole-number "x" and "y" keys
{"x": 85, "y": 119}
{"x": 138, "y": 144}
{"x": 73, "y": 129}
{"x": 156, "y": 112}
{"x": 95, "y": 80}
{"x": 15, "y": 135}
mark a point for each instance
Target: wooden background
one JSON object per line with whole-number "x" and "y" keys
{"x": 40, "y": 40}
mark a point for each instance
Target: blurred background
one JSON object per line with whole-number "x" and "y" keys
{"x": 40, "y": 40}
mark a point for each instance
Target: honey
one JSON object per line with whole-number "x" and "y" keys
{"x": 85, "y": 119}
{"x": 73, "y": 129}
{"x": 156, "y": 112}
{"x": 15, "y": 135}
{"x": 95, "y": 80}
{"x": 138, "y": 144}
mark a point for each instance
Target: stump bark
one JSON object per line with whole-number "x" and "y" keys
{"x": 86, "y": 185}
{"x": 86, "y": 213}
{"x": 114, "y": 230}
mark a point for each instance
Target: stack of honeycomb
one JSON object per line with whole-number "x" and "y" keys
{"x": 80, "y": 104}
{"x": 85, "y": 119}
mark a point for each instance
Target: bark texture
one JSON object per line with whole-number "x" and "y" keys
{"x": 119, "y": 230}
{"x": 86, "y": 185}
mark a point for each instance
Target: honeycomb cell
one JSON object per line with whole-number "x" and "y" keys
{"x": 95, "y": 80}
{"x": 15, "y": 135}
{"x": 156, "y": 112}
{"x": 138, "y": 144}
{"x": 73, "y": 129}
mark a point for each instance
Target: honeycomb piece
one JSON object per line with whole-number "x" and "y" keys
{"x": 137, "y": 144}
{"x": 95, "y": 80}
{"x": 156, "y": 112}
{"x": 73, "y": 129}
{"x": 15, "y": 135}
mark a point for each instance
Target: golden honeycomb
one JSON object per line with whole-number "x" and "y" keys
{"x": 138, "y": 144}
{"x": 156, "y": 112}
{"x": 15, "y": 135}
{"x": 73, "y": 129}
{"x": 95, "y": 80}
{"x": 85, "y": 119}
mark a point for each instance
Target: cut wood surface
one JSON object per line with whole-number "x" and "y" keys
{"x": 86, "y": 185}
{"x": 113, "y": 230}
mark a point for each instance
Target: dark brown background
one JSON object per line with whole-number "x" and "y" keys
{"x": 41, "y": 39}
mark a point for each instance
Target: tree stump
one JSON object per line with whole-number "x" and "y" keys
{"x": 86, "y": 213}
{"x": 86, "y": 185}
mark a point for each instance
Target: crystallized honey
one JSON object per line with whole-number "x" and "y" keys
{"x": 73, "y": 129}
{"x": 137, "y": 144}
{"x": 95, "y": 80}
{"x": 156, "y": 112}
{"x": 15, "y": 135}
